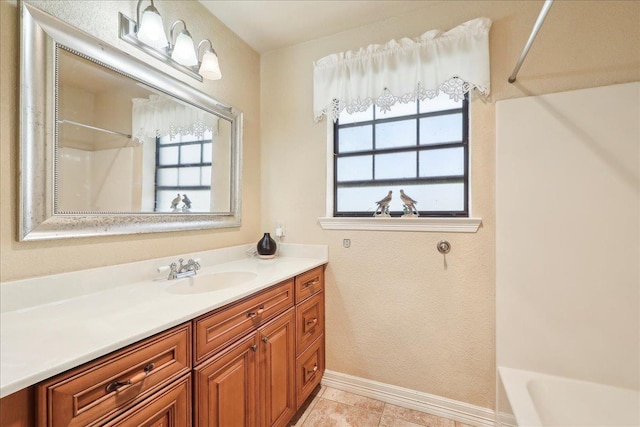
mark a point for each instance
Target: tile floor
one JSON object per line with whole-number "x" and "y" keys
{"x": 336, "y": 408}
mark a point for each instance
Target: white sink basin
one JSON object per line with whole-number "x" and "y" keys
{"x": 210, "y": 282}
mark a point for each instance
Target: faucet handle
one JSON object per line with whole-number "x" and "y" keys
{"x": 165, "y": 268}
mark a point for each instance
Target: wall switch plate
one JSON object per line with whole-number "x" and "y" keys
{"x": 346, "y": 243}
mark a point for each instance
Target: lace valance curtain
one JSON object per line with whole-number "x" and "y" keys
{"x": 161, "y": 115}
{"x": 452, "y": 62}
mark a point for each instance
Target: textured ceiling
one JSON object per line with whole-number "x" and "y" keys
{"x": 269, "y": 25}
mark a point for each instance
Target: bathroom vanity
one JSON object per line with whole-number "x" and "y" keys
{"x": 250, "y": 355}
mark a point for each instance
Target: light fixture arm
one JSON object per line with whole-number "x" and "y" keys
{"x": 210, "y": 47}
{"x": 173, "y": 26}
{"x": 152, "y": 8}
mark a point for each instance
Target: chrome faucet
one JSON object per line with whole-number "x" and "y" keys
{"x": 183, "y": 270}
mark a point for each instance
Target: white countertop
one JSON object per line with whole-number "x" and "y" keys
{"x": 53, "y": 323}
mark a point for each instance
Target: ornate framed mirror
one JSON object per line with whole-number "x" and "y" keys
{"x": 110, "y": 145}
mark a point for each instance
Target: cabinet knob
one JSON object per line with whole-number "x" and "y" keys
{"x": 254, "y": 347}
{"x": 265, "y": 339}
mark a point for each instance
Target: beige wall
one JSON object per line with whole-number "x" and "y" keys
{"x": 239, "y": 87}
{"x": 396, "y": 313}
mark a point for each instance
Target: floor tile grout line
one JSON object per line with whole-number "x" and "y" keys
{"x": 382, "y": 413}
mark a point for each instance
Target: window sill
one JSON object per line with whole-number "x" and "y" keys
{"x": 451, "y": 225}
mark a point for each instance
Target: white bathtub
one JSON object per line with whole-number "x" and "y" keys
{"x": 547, "y": 400}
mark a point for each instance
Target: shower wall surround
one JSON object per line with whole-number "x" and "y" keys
{"x": 568, "y": 234}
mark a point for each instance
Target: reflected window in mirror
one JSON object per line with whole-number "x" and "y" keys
{"x": 183, "y": 173}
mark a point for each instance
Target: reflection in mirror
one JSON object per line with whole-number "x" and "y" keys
{"x": 123, "y": 146}
{"x": 110, "y": 145}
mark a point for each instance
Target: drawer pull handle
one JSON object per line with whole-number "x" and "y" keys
{"x": 258, "y": 312}
{"x": 312, "y": 321}
{"x": 265, "y": 339}
{"x": 115, "y": 385}
{"x": 311, "y": 283}
{"x": 313, "y": 371}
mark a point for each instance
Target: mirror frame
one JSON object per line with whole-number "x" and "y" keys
{"x": 41, "y": 33}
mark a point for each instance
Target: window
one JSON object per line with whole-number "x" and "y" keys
{"x": 420, "y": 147}
{"x": 183, "y": 168}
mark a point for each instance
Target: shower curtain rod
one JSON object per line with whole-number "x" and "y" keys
{"x": 112, "y": 132}
{"x": 534, "y": 33}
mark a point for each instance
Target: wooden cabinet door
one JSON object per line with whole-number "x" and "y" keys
{"x": 226, "y": 387}
{"x": 277, "y": 370}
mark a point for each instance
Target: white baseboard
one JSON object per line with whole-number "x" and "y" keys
{"x": 411, "y": 399}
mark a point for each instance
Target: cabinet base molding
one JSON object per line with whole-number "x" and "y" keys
{"x": 411, "y": 399}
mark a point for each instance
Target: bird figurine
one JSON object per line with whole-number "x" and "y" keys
{"x": 409, "y": 203}
{"x": 174, "y": 202}
{"x": 381, "y": 209}
{"x": 186, "y": 201}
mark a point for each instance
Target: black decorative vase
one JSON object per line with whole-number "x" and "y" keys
{"x": 267, "y": 247}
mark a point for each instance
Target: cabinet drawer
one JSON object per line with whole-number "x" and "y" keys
{"x": 309, "y": 321}
{"x": 108, "y": 386}
{"x": 170, "y": 407}
{"x": 213, "y": 331}
{"x": 309, "y": 283}
{"x": 309, "y": 370}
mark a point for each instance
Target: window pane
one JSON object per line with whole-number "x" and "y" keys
{"x": 439, "y": 103}
{"x": 441, "y": 129}
{"x": 206, "y": 175}
{"x": 360, "y": 199}
{"x": 356, "y": 117}
{"x": 168, "y": 155}
{"x": 354, "y": 168}
{"x": 445, "y": 162}
{"x": 167, "y": 177}
{"x": 355, "y": 139}
{"x": 397, "y": 165}
{"x": 398, "y": 110}
{"x": 190, "y": 154}
{"x": 396, "y": 134}
{"x": 437, "y": 197}
{"x": 165, "y": 140}
{"x": 163, "y": 200}
{"x": 200, "y": 201}
{"x": 188, "y": 176}
{"x": 429, "y": 197}
{"x": 206, "y": 152}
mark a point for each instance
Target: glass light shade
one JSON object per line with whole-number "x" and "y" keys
{"x": 184, "y": 52}
{"x": 210, "y": 68}
{"x": 151, "y": 29}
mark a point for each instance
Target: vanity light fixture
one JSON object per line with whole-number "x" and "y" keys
{"x": 151, "y": 28}
{"x": 182, "y": 51}
{"x": 209, "y": 67}
{"x": 148, "y": 35}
